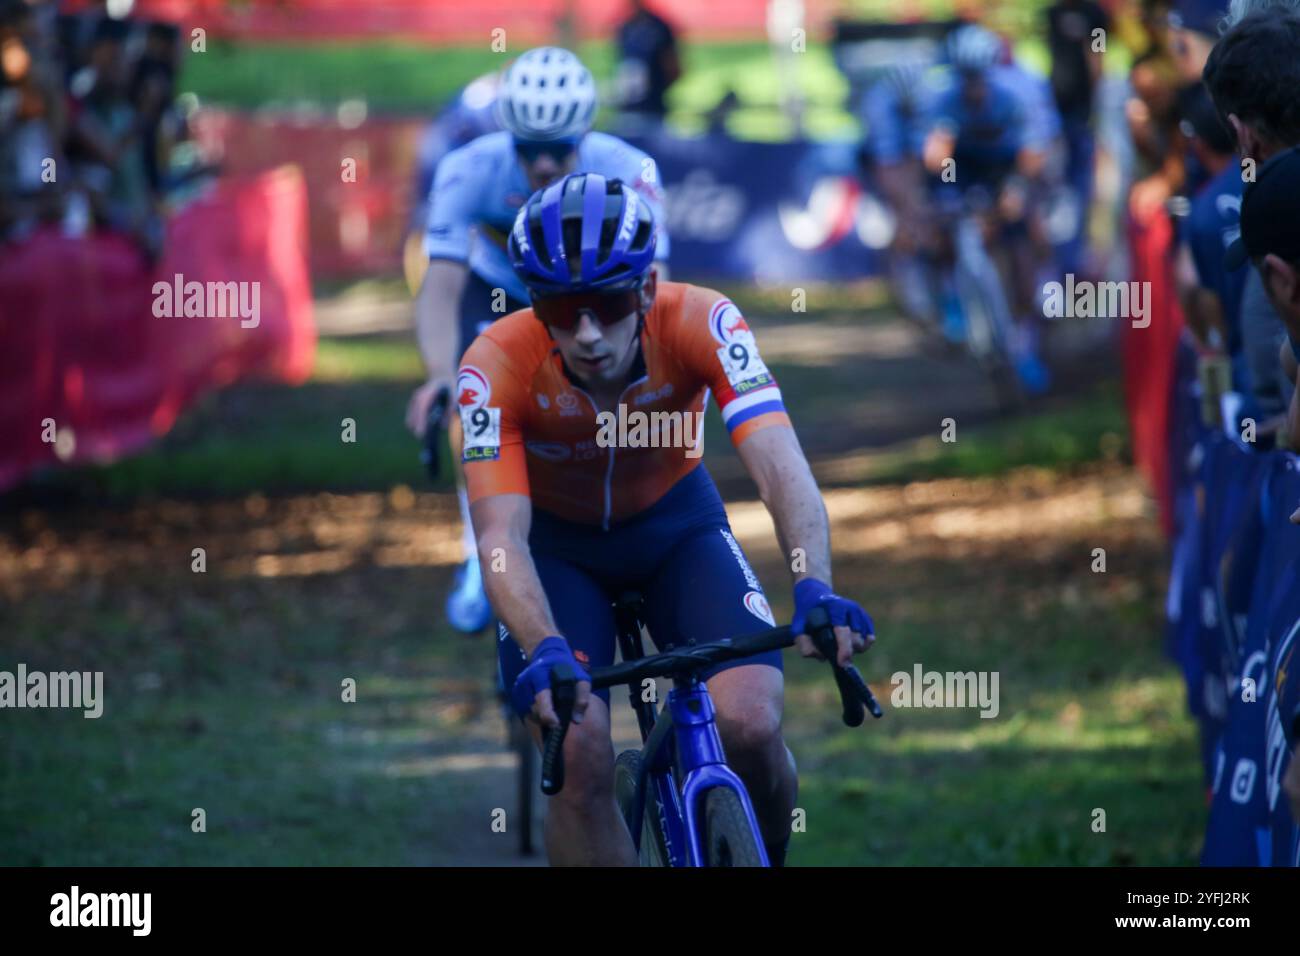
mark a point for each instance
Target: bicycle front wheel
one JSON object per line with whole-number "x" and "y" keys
{"x": 627, "y": 771}
{"x": 728, "y": 838}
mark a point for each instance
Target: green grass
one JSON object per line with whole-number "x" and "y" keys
{"x": 1084, "y": 430}
{"x": 1092, "y": 721}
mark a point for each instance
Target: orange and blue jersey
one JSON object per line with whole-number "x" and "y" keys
{"x": 530, "y": 428}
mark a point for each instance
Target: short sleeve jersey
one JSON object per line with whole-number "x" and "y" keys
{"x": 530, "y": 428}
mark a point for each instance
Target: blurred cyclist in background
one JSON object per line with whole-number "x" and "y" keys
{"x": 545, "y": 105}
{"x": 986, "y": 131}
{"x": 471, "y": 113}
{"x": 894, "y": 115}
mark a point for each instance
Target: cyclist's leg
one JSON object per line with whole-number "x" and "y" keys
{"x": 705, "y": 590}
{"x": 583, "y": 824}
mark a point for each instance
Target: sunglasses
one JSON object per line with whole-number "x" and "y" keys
{"x": 564, "y": 312}
{"x": 557, "y": 149}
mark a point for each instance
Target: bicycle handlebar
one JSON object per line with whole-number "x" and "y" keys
{"x": 855, "y": 695}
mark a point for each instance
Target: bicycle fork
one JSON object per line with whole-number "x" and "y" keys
{"x": 691, "y": 720}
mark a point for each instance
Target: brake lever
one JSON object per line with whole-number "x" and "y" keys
{"x": 431, "y": 450}
{"x": 564, "y": 692}
{"x": 854, "y": 692}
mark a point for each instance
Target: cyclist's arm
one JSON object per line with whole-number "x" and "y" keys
{"x": 453, "y": 204}
{"x": 436, "y": 308}
{"x": 776, "y": 462}
{"x": 501, "y": 523}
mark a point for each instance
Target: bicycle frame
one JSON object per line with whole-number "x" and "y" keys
{"x": 682, "y": 737}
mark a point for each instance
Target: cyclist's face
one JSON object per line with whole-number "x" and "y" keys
{"x": 973, "y": 89}
{"x": 547, "y": 167}
{"x": 602, "y": 355}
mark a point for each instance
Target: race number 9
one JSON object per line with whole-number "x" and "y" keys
{"x": 482, "y": 427}
{"x": 741, "y": 361}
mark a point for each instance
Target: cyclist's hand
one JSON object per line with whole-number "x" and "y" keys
{"x": 417, "y": 409}
{"x": 532, "y": 690}
{"x": 854, "y": 631}
{"x": 1012, "y": 203}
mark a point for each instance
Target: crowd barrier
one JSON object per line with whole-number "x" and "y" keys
{"x": 736, "y": 211}
{"x": 101, "y": 355}
{"x": 1233, "y": 618}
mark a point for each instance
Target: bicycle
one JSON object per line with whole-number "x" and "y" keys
{"x": 682, "y": 804}
{"x": 981, "y": 292}
{"x": 517, "y": 738}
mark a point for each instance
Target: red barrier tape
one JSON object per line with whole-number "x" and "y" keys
{"x": 1149, "y": 355}
{"x": 86, "y": 348}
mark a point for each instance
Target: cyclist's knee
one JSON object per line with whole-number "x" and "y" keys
{"x": 750, "y": 729}
{"x": 588, "y": 760}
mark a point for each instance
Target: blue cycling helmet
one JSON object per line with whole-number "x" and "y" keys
{"x": 584, "y": 233}
{"x": 972, "y": 48}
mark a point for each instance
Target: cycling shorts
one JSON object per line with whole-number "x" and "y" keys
{"x": 476, "y": 309}
{"x": 679, "y": 554}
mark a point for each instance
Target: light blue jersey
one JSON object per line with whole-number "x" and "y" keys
{"x": 1013, "y": 116}
{"x": 479, "y": 189}
{"x": 896, "y": 125}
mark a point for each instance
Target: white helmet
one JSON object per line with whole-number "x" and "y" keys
{"x": 972, "y": 47}
{"x": 547, "y": 94}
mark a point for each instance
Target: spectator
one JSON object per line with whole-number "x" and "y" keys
{"x": 1253, "y": 74}
{"x": 1270, "y": 238}
{"x": 1152, "y": 116}
{"x": 648, "y": 63}
{"x": 30, "y": 124}
{"x": 1076, "y": 71}
{"x": 1210, "y": 292}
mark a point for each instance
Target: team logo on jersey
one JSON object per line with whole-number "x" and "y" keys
{"x": 1243, "y": 781}
{"x": 665, "y": 391}
{"x": 472, "y": 388}
{"x": 756, "y": 604}
{"x": 549, "y": 450}
{"x": 481, "y": 425}
{"x": 568, "y": 403}
{"x": 726, "y": 322}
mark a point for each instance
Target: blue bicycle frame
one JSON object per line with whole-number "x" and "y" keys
{"x": 684, "y": 732}
{"x": 681, "y": 760}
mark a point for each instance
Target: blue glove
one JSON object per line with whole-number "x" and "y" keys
{"x": 536, "y": 677}
{"x": 810, "y": 593}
